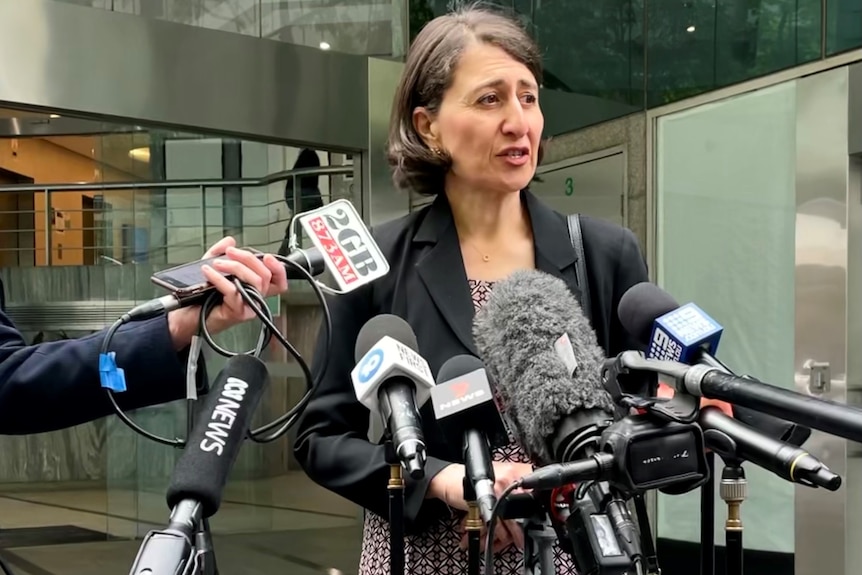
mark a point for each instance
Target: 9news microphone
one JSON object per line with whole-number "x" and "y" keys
{"x": 710, "y": 379}
{"x": 200, "y": 475}
{"x": 688, "y": 335}
{"x": 468, "y": 416}
{"x": 393, "y": 380}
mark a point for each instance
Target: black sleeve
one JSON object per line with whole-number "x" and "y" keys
{"x": 55, "y": 385}
{"x": 332, "y": 437}
{"x": 631, "y": 269}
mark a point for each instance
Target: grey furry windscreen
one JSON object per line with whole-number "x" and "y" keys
{"x": 515, "y": 333}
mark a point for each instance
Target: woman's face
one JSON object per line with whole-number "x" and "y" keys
{"x": 489, "y": 122}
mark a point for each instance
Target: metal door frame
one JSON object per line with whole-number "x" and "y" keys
{"x": 592, "y": 157}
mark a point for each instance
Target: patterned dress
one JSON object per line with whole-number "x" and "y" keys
{"x": 438, "y": 551}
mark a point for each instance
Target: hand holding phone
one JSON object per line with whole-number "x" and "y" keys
{"x": 193, "y": 282}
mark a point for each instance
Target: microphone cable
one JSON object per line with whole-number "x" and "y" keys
{"x": 492, "y": 524}
{"x": 255, "y": 300}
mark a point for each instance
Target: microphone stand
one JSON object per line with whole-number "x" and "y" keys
{"x": 707, "y": 519}
{"x": 539, "y": 539}
{"x": 186, "y": 546}
{"x": 733, "y": 490}
{"x": 396, "y": 510}
{"x": 473, "y": 527}
{"x": 204, "y": 552}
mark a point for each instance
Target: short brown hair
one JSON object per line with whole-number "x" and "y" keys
{"x": 428, "y": 73}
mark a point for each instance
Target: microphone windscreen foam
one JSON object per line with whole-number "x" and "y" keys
{"x": 214, "y": 443}
{"x": 517, "y": 333}
{"x": 381, "y": 326}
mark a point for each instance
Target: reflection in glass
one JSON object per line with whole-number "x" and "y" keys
{"x": 843, "y": 25}
{"x": 368, "y": 27}
{"x": 597, "y": 50}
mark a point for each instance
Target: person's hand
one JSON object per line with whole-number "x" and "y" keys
{"x": 266, "y": 275}
{"x": 448, "y": 486}
{"x": 506, "y": 533}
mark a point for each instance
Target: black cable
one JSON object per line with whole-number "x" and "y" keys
{"x": 257, "y": 303}
{"x": 5, "y": 567}
{"x": 492, "y": 523}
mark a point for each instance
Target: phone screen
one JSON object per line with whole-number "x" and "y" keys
{"x": 185, "y": 276}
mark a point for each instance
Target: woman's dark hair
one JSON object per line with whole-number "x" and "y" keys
{"x": 428, "y": 73}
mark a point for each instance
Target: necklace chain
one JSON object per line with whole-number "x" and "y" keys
{"x": 485, "y": 257}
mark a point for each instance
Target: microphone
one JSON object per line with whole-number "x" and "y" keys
{"x": 342, "y": 245}
{"x": 555, "y": 406}
{"x": 654, "y": 317}
{"x": 732, "y": 438}
{"x": 542, "y": 351}
{"x": 213, "y": 445}
{"x": 199, "y": 477}
{"x": 392, "y": 379}
{"x": 468, "y": 416}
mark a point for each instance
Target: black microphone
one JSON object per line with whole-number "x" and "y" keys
{"x": 542, "y": 352}
{"x": 468, "y": 416}
{"x": 201, "y": 472}
{"x": 732, "y": 438}
{"x": 638, "y": 310}
{"x": 213, "y": 445}
{"x": 393, "y": 380}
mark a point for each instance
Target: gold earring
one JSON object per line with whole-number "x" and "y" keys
{"x": 437, "y": 151}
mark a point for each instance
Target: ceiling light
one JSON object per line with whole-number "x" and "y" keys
{"x": 325, "y": 46}
{"x": 54, "y": 116}
{"x": 690, "y": 29}
{"x": 140, "y": 154}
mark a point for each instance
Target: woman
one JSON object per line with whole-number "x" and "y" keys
{"x": 466, "y": 128}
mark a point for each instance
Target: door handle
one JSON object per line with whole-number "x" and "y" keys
{"x": 819, "y": 376}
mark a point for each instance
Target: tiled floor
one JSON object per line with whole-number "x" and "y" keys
{"x": 281, "y": 525}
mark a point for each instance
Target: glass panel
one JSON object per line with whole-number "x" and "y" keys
{"x": 700, "y": 45}
{"x": 595, "y": 52}
{"x": 367, "y": 27}
{"x": 843, "y": 25}
{"x": 739, "y": 223}
{"x": 98, "y": 488}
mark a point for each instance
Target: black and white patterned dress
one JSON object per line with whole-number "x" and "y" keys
{"x": 438, "y": 551}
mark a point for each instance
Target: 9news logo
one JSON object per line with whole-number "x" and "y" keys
{"x": 370, "y": 365}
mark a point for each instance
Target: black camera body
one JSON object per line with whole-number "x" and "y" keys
{"x": 653, "y": 454}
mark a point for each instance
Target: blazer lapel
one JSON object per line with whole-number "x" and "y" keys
{"x": 442, "y": 271}
{"x": 442, "y": 267}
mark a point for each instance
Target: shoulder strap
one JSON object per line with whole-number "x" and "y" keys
{"x": 581, "y": 264}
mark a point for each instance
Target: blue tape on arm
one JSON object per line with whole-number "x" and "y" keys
{"x": 112, "y": 377}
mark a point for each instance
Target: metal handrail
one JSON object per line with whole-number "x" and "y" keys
{"x": 208, "y": 183}
{"x": 202, "y": 184}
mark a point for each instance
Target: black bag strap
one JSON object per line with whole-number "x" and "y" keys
{"x": 581, "y": 264}
{"x": 584, "y": 284}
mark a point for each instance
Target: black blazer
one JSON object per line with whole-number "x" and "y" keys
{"x": 55, "y": 385}
{"x": 427, "y": 286}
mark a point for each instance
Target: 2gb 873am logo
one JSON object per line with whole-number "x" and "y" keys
{"x": 350, "y": 252}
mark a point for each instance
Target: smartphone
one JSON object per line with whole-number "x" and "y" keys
{"x": 185, "y": 280}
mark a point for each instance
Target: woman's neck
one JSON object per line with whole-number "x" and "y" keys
{"x": 487, "y": 216}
